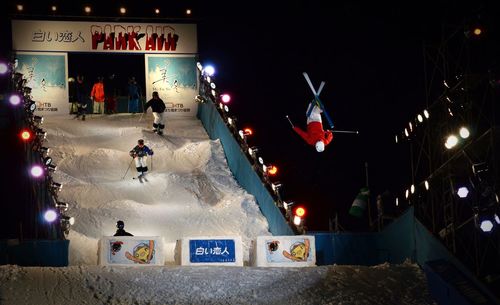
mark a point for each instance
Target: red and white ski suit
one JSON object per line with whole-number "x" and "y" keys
{"x": 315, "y": 130}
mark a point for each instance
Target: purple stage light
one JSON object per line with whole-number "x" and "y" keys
{"x": 36, "y": 171}
{"x": 15, "y": 100}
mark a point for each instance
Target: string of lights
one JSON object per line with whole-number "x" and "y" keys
{"x": 268, "y": 172}
{"x": 44, "y": 190}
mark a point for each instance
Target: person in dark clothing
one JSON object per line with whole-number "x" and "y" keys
{"x": 158, "y": 107}
{"x": 81, "y": 97}
{"x": 139, "y": 153}
{"x": 121, "y": 231}
{"x": 110, "y": 91}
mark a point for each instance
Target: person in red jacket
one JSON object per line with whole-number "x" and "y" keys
{"x": 315, "y": 134}
{"x": 97, "y": 95}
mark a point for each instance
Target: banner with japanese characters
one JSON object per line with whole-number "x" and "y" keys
{"x": 175, "y": 78}
{"x": 108, "y": 37}
{"x": 46, "y": 74}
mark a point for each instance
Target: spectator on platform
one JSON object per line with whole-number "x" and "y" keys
{"x": 81, "y": 97}
{"x": 121, "y": 231}
{"x": 111, "y": 91}
{"x": 97, "y": 96}
{"x": 158, "y": 107}
{"x": 134, "y": 95}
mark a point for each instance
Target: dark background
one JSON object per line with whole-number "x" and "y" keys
{"x": 371, "y": 57}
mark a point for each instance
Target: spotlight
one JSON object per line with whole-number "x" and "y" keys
{"x": 226, "y": 98}
{"x": 47, "y": 161}
{"x": 272, "y": 170}
{"x": 406, "y": 133}
{"x": 420, "y": 118}
{"x": 252, "y": 151}
{"x": 19, "y": 7}
{"x": 300, "y": 211}
{"x": 54, "y": 8}
{"x": 87, "y": 9}
{"x": 198, "y": 64}
{"x": 3, "y": 68}
{"x": 245, "y": 132}
{"x": 411, "y": 126}
{"x": 462, "y": 192}
{"x": 288, "y": 204}
{"x": 45, "y": 150}
{"x": 41, "y": 133}
{"x": 486, "y": 225}
{"x": 231, "y": 121}
{"x": 407, "y": 193}
{"x": 157, "y": 11}
{"x": 464, "y": 132}
{"x": 38, "y": 119}
{"x": 15, "y": 100}
{"x": 67, "y": 219}
{"x": 261, "y": 161}
{"x": 214, "y": 93}
{"x": 123, "y": 10}
{"x": 199, "y": 99}
{"x": 297, "y": 220}
{"x": 188, "y": 12}
{"x": 208, "y": 79}
{"x": 36, "y": 171}
{"x": 396, "y": 138}
{"x": 50, "y": 215}
{"x": 451, "y": 142}
{"x": 30, "y": 106}
{"x": 209, "y": 70}
{"x": 412, "y": 188}
{"x": 213, "y": 86}
{"x": 276, "y": 186}
{"x": 426, "y": 114}
{"x": 426, "y": 184}
{"x": 52, "y": 167}
{"x": 56, "y": 186}
{"x": 62, "y": 206}
{"x": 25, "y": 134}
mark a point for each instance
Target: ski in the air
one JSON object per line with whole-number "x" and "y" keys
{"x": 141, "y": 178}
{"x": 317, "y": 100}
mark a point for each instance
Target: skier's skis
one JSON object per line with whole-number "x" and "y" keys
{"x": 140, "y": 178}
{"x": 318, "y": 101}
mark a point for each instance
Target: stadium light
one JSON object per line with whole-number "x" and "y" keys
{"x": 272, "y": 170}
{"x": 451, "y": 141}
{"x": 464, "y": 132}
{"x": 209, "y": 70}
{"x": 15, "y": 99}
{"x": 25, "y": 135}
{"x": 226, "y": 98}
{"x": 36, "y": 171}
{"x": 4, "y": 68}
{"x": 50, "y": 216}
{"x": 462, "y": 192}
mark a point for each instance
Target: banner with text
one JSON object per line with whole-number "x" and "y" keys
{"x": 109, "y": 37}
{"x": 46, "y": 74}
{"x": 175, "y": 79}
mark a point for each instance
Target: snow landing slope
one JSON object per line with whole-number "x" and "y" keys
{"x": 190, "y": 189}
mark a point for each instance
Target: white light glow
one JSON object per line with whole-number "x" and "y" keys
{"x": 426, "y": 184}
{"x": 426, "y": 114}
{"x": 297, "y": 220}
{"x": 36, "y": 171}
{"x": 486, "y": 226}
{"x": 451, "y": 142}
{"x": 420, "y": 118}
{"x": 3, "y": 68}
{"x": 50, "y": 216}
{"x": 462, "y": 192}
{"x": 464, "y": 132}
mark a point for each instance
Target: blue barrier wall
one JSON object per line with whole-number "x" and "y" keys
{"x": 242, "y": 168}
{"x": 46, "y": 253}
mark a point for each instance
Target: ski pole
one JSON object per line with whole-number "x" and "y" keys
{"x": 290, "y": 121}
{"x": 346, "y": 131}
{"x": 128, "y": 168}
{"x": 151, "y": 162}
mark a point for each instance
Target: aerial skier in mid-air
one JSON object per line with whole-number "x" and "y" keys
{"x": 315, "y": 134}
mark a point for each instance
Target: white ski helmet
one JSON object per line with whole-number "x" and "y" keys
{"x": 320, "y": 146}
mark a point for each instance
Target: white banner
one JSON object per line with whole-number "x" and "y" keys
{"x": 109, "y": 37}
{"x": 175, "y": 78}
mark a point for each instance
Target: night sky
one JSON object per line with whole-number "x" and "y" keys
{"x": 370, "y": 56}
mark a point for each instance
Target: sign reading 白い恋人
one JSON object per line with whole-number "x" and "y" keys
{"x": 109, "y": 37}
{"x": 212, "y": 251}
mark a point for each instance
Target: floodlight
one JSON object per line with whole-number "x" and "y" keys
{"x": 52, "y": 167}
{"x": 231, "y": 121}
{"x": 426, "y": 114}
{"x": 486, "y": 225}
{"x": 47, "y": 161}
{"x": 226, "y": 108}
{"x": 38, "y": 119}
{"x": 396, "y": 138}
{"x": 420, "y": 118}
{"x": 451, "y": 142}
{"x": 297, "y": 220}
{"x": 53, "y": 8}
{"x": 3, "y": 68}
{"x": 407, "y": 193}
{"x": 56, "y": 186}
{"x": 497, "y": 219}
{"x": 50, "y": 215}
{"x": 252, "y": 151}
{"x": 261, "y": 161}
{"x": 226, "y": 98}
{"x": 41, "y": 133}
{"x": 410, "y": 125}
{"x": 288, "y": 204}
{"x": 406, "y": 133}
{"x": 67, "y": 220}
{"x": 272, "y": 170}
{"x": 446, "y": 84}
{"x": 25, "y": 134}
{"x": 45, "y": 150}
{"x": 189, "y": 12}
{"x": 426, "y": 184}
{"x": 87, "y": 9}
{"x": 214, "y": 93}
{"x": 198, "y": 64}
{"x": 199, "y": 99}
{"x": 19, "y": 7}
{"x": 464, "y": 132}
{"x": 62, "y": 206}
{"x": 300, "y": 211}
{"x": 213, "y": 86}
{"x": 208, "y": 79}
{"x": 276, "y": 186}
{"x": 15, "y": 100}
{"x": 36, "y": 171}
{"x": 209, "y": 70}
{"x": 245, "y": 132}
{"x": 462, "y": 192}
{"x": 412, "y": 188}
{"x": 123, "y": 10}
{"x": 30, "y": 105}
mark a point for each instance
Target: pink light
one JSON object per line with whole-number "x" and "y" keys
{"x": 226, "y": 98}
{"x": 14, "y": 99}
{"x": 3, "y": 68}
{"x": 36, "y": 171}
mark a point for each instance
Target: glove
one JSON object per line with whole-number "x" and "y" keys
{"x": 151, "y": 152}
{"x": 132, "y": 154}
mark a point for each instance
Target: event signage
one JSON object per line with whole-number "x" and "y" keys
{"x": 212, "y": 251}
{"x": 108, "y": 37}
